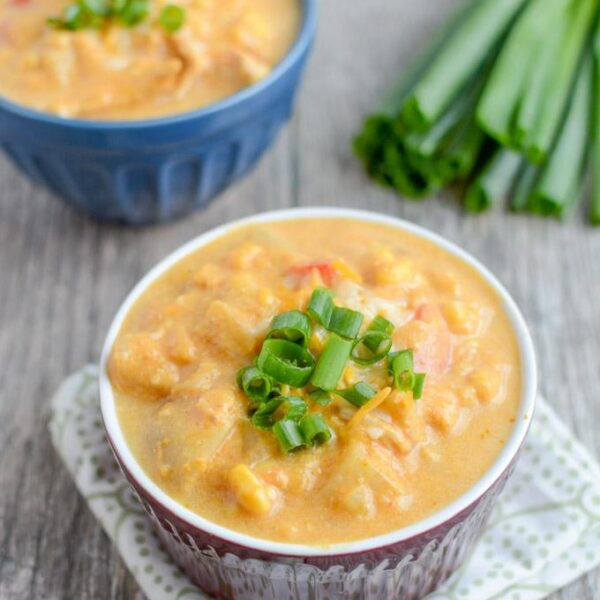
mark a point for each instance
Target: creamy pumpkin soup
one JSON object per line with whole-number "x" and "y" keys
{"x": 128, "y": 59}
{"x": 316, "y": 381}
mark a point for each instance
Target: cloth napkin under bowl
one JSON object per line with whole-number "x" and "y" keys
{"x": 543, "y": 533}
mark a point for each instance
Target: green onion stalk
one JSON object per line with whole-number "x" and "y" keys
{"x": 426, "y": 135}
{"x": 442, "y": 80}
{"x": 560, "y": 181}
{"x": 595, "y": 204}
{"x": 495, "y": 180}
{"x": 502, "y": 100}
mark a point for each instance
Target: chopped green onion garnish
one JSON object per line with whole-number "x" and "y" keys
{"x": 314, "y": 429}
{"x": 376, "y": 346}
{"x": 404, "y": 380}
{"x": 100, "y": 8}
{"x": 358, "y": 394}
{"x": 400, "y": 364}
{"x": 418, "y": 386}
{"x": 293, "y": 326}
{"x": 134, "y": 12}
{"x": 379, "y": 323}
{"x": 255, "y": 384}
{"x": 73, "y": 18}
{"x": 320, "y": 397}
{"x": 263, "y": 418}
{"x": 297, "y": 407}
{"x": 92, "y": 14}
{"x": 331, "y": 363}
{"x": 275, "y": 390}
{"x": 405, "y": 360}
{"x": 288, "y": 434}
{"x": 117, "y": 6}
{"x": 286, "y": 362}
{"x": 172, "y": 17}
{"x": 345, "y": 322}
{"x": 320, "y": 306}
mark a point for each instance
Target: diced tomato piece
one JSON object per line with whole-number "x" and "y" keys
{"x": 5, "y": 33}
{"x": 19, "y": 2}
{"x": 432, "y": 354}
{"x": 427, "y": 313}
{"x": 323, "y": 267}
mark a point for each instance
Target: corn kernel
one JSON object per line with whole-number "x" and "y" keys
{"x": 208, "y": 275}
{"x": 462, "y": 318}
{"x": 393, "y": 271}
{"x": 444, "y": 412}
{"x": 487, "y": 384}
{"x": 250, "y": 492}
{"x": 446, "y": 282}
{"x": 384, "y": 254}
{"x": 350, "y": 375}
{"x": 246, "y": 255}
{"x": 317, "y": 342}
{"x": 346, "y": 270}
{"x": 266, "y": 298}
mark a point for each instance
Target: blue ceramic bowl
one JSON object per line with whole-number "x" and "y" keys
{"x": 150, "y": 171}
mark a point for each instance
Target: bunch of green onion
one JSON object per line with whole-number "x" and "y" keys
{"x": 505, "y": 101}
{"x": 285, "y": 359}
{"x": 94, "y": 14}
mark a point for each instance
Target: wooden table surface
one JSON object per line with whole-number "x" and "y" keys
{"x": 62, "y": 277}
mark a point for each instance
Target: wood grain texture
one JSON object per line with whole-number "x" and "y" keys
{"x": 62, "y": 277}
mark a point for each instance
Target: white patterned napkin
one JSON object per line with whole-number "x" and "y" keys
{"x": 544, "y": 532}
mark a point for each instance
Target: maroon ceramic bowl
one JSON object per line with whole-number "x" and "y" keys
{"x": 404, "y": 564}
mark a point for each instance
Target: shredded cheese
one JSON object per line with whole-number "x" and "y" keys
{"x": 372, "y": 404}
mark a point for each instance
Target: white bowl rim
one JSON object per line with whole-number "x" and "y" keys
{"x": 444, "y": 515}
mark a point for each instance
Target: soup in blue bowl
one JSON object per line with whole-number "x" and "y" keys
{"x": 144, "y": 115}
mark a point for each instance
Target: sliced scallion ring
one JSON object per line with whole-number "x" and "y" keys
{"x": 315, "y": 430}
{"x": 379, "y": 323}
{"x": 358, "y": 394}
{"x": 400, "y": 365}
{"x": 288, "y": 434}
{"x": 134, "y": 12}
{"x": 296, "y": 408}
{"x": 418, "y": 386}
{"x": 286, "y": 362}
{"x": 172, "y": 18}
{"x": 263, "y": 418}
{"x": 320, "y": 306}
{"x": 405, "y": 360}
{"x": 255, "y": 384}
{"x": 292, "y": 325}
{"x": 320, "y": 397}
{"x": 371, "y": 347}
{"x": 331, "y": 363}
{"x": 345, "y": 322}
{"x": 100, "y": 8}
